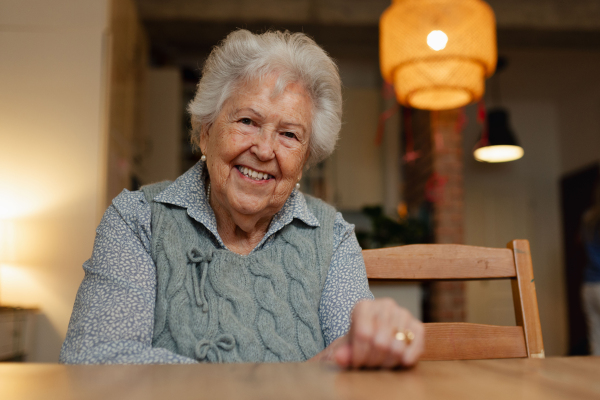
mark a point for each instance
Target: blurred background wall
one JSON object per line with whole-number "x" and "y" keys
{"x": 92, "y": 97}
{"x": 53, "y": 69}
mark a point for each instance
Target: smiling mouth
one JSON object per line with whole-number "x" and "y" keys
{"x": 252, "y": 174}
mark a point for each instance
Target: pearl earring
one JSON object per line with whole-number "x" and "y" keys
{"x": 203, "y": 158}
{"x": 297, "y": 186}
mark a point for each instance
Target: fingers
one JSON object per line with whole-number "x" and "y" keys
{"x": 343, "y": 355}
{"x": 362, "y": 330}
{"x": 394, "y": 356}
{"x": 383, "y": 337}
{"x": 338, "y": 351}
{"x": 372, "y": 340}
{"x": 416, "y": 347}
{"x": 389, "y": 319}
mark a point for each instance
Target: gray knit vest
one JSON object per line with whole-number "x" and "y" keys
{"x": 214, "y": 305}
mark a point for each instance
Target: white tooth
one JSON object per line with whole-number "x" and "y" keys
{"x": 246, "y": 171}
{"x": 260, "y": 175}
{"x": 254, "y": 174}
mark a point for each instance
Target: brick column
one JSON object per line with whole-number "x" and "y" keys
{"x": 435, "y": 179}
{"x": 447, "y": 299}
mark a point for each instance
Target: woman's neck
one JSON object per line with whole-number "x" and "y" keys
{"x": 240, "y": 233}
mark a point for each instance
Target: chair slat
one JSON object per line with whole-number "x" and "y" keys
{"x": 439, "y": 261}
{"x": 525, "y": 298}
{"x": 465, "y": 341}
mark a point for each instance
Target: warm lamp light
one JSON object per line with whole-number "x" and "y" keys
{"x": 437, "y": 40}
{"x": 499, "y": 153}
{"x": 498, "y": 142}
{"x": 7, "y": 245}
{"x": 437, "y": 53}
{"x": 7, "y": 241}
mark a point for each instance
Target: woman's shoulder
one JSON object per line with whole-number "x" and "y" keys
{"x": 314, "y": 203}
{"x": 154, "y": 189}
{"x": 129, "y": 208}
{"x": 320, "y": 207}
{"x": 325, "y": 213}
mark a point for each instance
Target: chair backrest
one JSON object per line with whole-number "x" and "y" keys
{"x": 464, "y": 341}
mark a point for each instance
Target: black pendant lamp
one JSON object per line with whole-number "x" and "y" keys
{"x": 497, "y": 142}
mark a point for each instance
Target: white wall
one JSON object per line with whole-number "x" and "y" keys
{"x": 355, "y": 167}
{"x": 161, "y": 123}
{"x": 51, "y": 143}
{"x": 357, "y": 161}
{"x": 554, "y": 100}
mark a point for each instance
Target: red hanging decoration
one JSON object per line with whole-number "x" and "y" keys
{"x": 481, "y": 117}
{"x": 461, "y": 121}
{"x": 387, "y": 92}
{"x": 384, "y": 116}
{"x": 434, "y": 187}
{"x": 410, "y": 155}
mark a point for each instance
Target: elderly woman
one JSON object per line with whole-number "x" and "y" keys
{"x": 231, "y": 263}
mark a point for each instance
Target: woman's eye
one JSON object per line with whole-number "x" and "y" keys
{"x": 290, "y": 135}
{"x": 246, "y": 121}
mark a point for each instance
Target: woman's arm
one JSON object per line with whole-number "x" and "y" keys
{"x": 360, "y": 331}
{"x": 113, "y": 316}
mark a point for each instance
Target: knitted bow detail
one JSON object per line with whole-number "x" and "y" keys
{"x": 207, "y": 348}
{"x": 200, "y": 261}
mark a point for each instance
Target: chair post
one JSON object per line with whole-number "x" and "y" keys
{"x": 525, "y": 298}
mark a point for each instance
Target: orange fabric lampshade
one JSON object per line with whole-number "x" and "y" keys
{"x": 437, "y": 53}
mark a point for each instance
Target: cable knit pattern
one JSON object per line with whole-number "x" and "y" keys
{"x": 113, "y": 319}
{"x": 218, "y": 306}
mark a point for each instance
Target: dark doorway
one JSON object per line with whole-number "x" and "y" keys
{"x": 576, "y": 196}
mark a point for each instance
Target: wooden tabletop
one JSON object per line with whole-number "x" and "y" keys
{"x": 531, "y": 379}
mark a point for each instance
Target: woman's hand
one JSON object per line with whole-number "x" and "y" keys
{"x": 382, "y": 335}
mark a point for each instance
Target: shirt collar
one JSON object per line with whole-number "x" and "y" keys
{"x": 188, "y": 191}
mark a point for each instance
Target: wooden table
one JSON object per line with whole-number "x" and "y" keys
{"x": 551, "y": 378}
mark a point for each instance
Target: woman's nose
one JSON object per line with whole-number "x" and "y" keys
{"x": 264, "y": 145}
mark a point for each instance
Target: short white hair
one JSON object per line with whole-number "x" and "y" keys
{"x": 243, "y": 57}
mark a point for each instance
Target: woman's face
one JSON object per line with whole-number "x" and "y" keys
{"x": 257, "y": 147}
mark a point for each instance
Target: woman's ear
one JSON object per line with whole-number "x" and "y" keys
{"x": 204, "y": 132}
{"x": 306, "y": 165}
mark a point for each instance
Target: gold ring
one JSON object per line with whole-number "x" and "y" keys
{"x": 405, "y": 335}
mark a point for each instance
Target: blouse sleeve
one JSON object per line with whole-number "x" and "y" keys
{"x": 346, "y": 282}
{"x": 113, "y": 316}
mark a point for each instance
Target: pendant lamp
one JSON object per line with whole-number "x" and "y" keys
{"x": 498, "y": 142}
{"x": 437, "y": 53}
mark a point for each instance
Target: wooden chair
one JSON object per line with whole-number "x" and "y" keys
{"x": 464, "y": 341}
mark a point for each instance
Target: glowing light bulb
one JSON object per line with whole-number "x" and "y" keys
{"x": 498, "y": 153}
{"x": 437, "y": 40}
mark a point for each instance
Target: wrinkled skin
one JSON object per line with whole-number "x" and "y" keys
{"x": 371, "y": 343}
{"x": 271, "y": 134}
{"x": 267, "y": 134}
